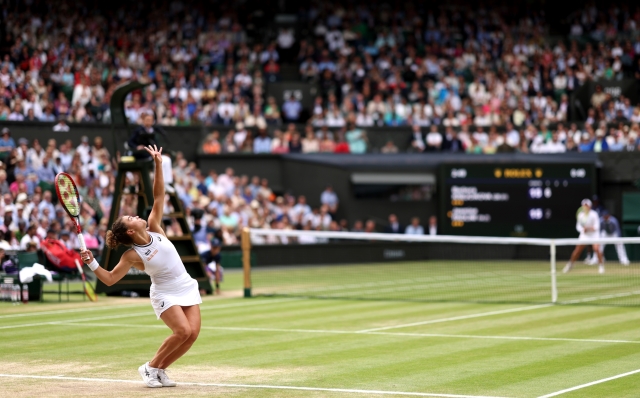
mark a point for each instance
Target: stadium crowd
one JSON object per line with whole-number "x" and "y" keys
{"x": 474, "y": 80}
{"x": 454, "y": 68}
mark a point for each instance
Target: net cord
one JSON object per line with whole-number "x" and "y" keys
{"x": 376, "y": 236}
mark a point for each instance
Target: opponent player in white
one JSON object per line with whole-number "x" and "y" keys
{"x": 589, "y": 227}
{"x": 175, "y": 297}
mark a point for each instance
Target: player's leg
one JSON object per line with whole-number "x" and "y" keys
{"x": 192, "y": 314}
{"x": 595, "y": 258}
{"x": 178, "y": 322}
{"x": 574, "y": 256}
{"x": 596, "y": 250}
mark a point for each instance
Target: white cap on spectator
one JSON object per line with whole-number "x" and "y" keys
{"x": 586, "y": 202}
{"x": 261, "y": 125}
{"x": 21, "y": 197}
{"x": 633, "y": 135}
{"x": 239, "y": 126}
{"x": 599, "y": 133}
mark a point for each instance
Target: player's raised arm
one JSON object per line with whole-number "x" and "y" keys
{"x": 109, "y": 278}
{"x": 155, "y": 218}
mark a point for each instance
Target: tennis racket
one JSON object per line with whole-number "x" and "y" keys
{"x": 88, "y": 289}
{"x": 70, "y": 199}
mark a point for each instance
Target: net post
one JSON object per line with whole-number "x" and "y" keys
{"x": 245, "y": 244}
{"x": 554, "y": 284}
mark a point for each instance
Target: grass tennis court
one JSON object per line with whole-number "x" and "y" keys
{"x": 471, "y": 281}
{"x": 264, "y": 347}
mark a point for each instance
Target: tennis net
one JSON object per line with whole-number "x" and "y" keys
{"x": 379, "y": 266}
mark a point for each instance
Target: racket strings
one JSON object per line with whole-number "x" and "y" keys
{"x": 68, "y": 195}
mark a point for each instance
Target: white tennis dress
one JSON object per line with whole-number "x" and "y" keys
{"x": 588, "y": 220}
{"x": 170, "y": 283}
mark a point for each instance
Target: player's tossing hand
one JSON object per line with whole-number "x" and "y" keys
{"x": 155, "y": 153}
{"x": 86, "y": 256}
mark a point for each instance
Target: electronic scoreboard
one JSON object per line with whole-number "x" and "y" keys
{"x": 513, "y": 199}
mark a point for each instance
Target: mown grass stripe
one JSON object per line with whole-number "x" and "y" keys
{"x": 320, "y": 331}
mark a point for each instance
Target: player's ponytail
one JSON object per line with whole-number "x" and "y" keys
{"x": 118, "y": 235}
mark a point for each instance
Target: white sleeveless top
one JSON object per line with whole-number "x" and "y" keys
{"x": 161, "y": 259}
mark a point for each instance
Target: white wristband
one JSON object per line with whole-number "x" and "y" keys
{"x": 93, "y": 265}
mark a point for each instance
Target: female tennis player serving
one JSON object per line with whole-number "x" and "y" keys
{"x": 174, "y": 294}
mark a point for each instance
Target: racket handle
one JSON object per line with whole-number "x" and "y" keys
{"x": 83, "y": 246}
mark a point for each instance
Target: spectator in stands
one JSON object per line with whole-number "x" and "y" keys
{"x": 417, "y": 141}
{"x": 262, "y": 143}
{"x": 370, "y": 226}
{"x": 31, "y": 237}
{"x": 357, "y": 226}
{"x": 292, "y": 109}
{"x": 389, "y": 148}
{"x": 212, "y": 145}
{"x": 414, "y": 228}
{"x": 61, "y": 126}
{"x": 272, "y": 112}
{"x": 433, "y": 225}
{"x": 599, "y": 144}
{"x": 451, "y": 142}
{"x": 7, "y": 144}
{"x": 357, "y": 140}
{"x": 330, "y": 199}
{"x": 310, "y": 144}
{"x": 279, "y": 144}
{"x": 394, "y": 226}
{"x": 295, "y": 144}
{"x": 433, "y": 140}
{"x": 327, "y": 144}
{"x": 341, "y": 146}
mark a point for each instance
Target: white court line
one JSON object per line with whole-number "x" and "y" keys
{"x": 107, "y": 307}
{"x": 84, "y": 309}
{"x": 100, "y": 318}
{"x": 554, "y": 394}
{"x": 606, "y": 297}
{"x": 376, "y": 392}
{"x": 319, "y": 331}
{"x": 458, "y": 318}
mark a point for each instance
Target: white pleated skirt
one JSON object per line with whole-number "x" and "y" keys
{"x": 182, "y": 291}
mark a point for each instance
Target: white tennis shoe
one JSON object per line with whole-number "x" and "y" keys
{"x": 149, "y": 375}
{"x": 165, "y": 380}
{"x": 601, "y": 269}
